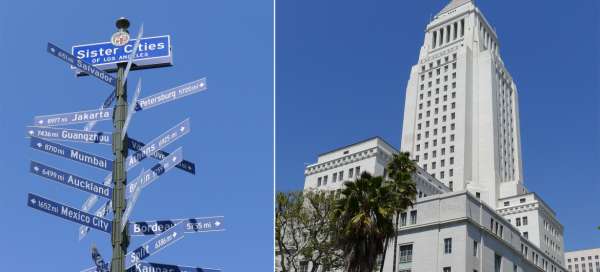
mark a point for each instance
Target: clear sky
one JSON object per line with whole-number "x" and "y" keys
{"x": 343, "y": 66}
{"x": 229, "y": 42}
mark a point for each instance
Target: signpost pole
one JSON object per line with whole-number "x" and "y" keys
{"x": 120, "y": 239}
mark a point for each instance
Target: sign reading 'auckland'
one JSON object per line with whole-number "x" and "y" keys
{"x": 151, "y": 52}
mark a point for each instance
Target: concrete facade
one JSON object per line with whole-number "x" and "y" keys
{"x": 585, "y": 260}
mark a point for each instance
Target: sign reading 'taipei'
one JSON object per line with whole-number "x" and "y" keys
{"x": 151, "y": 52}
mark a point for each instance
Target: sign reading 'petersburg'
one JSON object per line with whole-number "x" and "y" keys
{"x": 69, "y": 213}
{"x": 171, "y": 94}
{"x": 71, "y": 153}
{"x": 70, "y": 180}
{"x": 151, "y": 52}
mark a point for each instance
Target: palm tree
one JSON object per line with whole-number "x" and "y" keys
{"x": 364, "y": 214}
{"x": 400, "y": 171}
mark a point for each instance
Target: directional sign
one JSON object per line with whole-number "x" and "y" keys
{"x": 69, "y": 213}
{"x": 149, "y": 176}
{"x": 62, "y": 119}
{"x": 131, "y": 108}
{"x": 184, "y": 165}
{"x": 130, "y": 204}
{"x": 71, "y": 153}
{"x": 101, "y": 265}
{"x": 154, "y": 245}
{"x": 159, "y": 143}
{"x": 133, "y": 53}
{"x": 81, "y": 65}
{"x": 172, "y": 94}
{"x": 72, "y": 135}
{"x": 147, "y": 267}
{"x": 192, "y": 225}
{"x": 70, "y": 180}
{"x": 152, "y": 52}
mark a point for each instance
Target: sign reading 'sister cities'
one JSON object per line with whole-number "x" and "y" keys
{"x": 71, "y": 153}
{"x": 72, "y": 135}
{"x": 70, "y": 179}
{"x": 69, "y": 213}
{"x": 62, "y": 119}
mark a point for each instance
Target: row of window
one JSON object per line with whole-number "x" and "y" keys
{"x": 582, "y": 259}
{"x": 338, "y": 176}
{"x": 590, "y": 267}
{"x": 448, "y": 33}
{"x": 439, "y": 63}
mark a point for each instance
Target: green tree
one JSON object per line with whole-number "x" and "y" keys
{"x": 364, "y": 214}
{"x": 304, "y": 226}
{"x": 400, "y": 171}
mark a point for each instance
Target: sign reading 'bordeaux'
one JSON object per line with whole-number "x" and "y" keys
{"x": 151, "y": 52}
{"x": 73, "y": 135}
{"x": 192, "y": 225}
{"x": 70, "y": 179}
{"x": 71, "y": 153}
{"x": 66, "y": 212}
{"x": 62, "y": 119}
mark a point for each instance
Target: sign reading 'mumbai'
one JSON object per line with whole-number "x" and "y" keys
{"x": 69, "y": 213}
{"x": 71, "y": 153}
{"x": 151, "y": 52}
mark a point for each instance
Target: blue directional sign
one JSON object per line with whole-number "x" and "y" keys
{"x": 130, "y": 109}
{"x": 129, "y": 207}
{"x": 149, "y": 176}
{"x": 62, "y": 119}
{"x": 192, "y": 225}
{"x": 143, "y": 266}
{"x": 171, "y": 94}
{"x": 72, "y": 135}
{"x": 69, "y": 213}
{"x": 71, "y": 180}
{"x": 184, "y": 165}
{"x": 159, "y": 143}
{"x": 155, "y": 244}
{"x": 81, "y": 65}
{"x": 151, "y": 52}
{"x": 71, "y": 153}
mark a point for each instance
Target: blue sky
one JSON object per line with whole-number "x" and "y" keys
{"x": 342, "y": 69}
{"x": 231, "y": 142}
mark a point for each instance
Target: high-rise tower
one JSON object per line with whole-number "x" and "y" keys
{"x": 461, "y": 118}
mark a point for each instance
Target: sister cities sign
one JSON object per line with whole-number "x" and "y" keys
{"x": 171, "y": 94}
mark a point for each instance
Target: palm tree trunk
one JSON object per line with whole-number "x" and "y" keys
{"x": 395, "y": 241}
{"x": 384, "y": 252}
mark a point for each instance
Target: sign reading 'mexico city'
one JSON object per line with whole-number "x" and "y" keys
{"x": 151, "y": 52}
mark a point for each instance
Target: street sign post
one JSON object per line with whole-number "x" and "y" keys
{"x": 70, "y": 135}
{"x": 71, "y": 153}
{"x": 69, "y": 213}
{"x": 192, "y": 225}
{"x": 70, "y": 180}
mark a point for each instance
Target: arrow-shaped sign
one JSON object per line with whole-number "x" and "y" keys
{"x": 69, "y": 213}
{"x": 72, "y": 135}
{"x": 70, "y": 118}
{"x": 184, "y": 165}
{"x": 71, "y": 180}
{"x": 81, "y": 65}
{"x": 132, "y": 56}
{"x": 158, "y": 267}
{"x": 130, "y": 110}
{"x": 130, "y": 204}
{"x": 71, "y": 153}
{"x": 155, "y": 245}
{"x": 149, "y": 176}
{"x": 172, "y": 94}
{"x": 192, "y": 225}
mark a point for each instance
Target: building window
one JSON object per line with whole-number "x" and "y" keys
{"x": 506, "y": 203}
{"x": 518, "y": 222}
{"x": 334, "y": 179}
{"x": 319, "y": 181}
{"x": 451, "y": 185}
{"x": 403, "y": 219}
{"x": 451, "y": 160}
{"x": 475, "y": 248}
{"x": 526, "y": 234}
{"x": 448, "y": 246}
{"x": 451, "y": 149}
{"x": 522, "y": 200}
{"x": 406, "y": 252}
{"x": 525, "y": 221}
{"x": 325, "y": 180}
{"x": 451, "y": 172}
{"x": 413, "y": 217}
{"x": 351, "y": 171}
{"x": 341, "y": 175}
{"x": 357, "y": 171}
{"x": 497, "y": 263}
{"x": 478, "y": 195}
{"x": 447, "y": 269}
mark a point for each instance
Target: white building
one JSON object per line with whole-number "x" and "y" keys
{"x": 585, "y": 260}
{"x": 461, "y": 125}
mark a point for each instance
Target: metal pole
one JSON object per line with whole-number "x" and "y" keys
{"x": 120, "y": 240}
